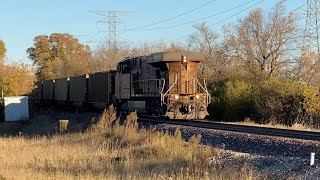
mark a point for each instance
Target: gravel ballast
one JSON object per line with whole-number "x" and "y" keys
{"x": 276, "y": 157}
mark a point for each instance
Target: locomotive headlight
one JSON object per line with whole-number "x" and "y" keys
{"x": 176, "y": 96}
{"x": 197, "y": 96}
{"x": 184, "y": 59}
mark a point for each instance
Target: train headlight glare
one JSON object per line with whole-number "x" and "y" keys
{"x": 197, "y": 96}
{"x": 176, "y": 96}
{"x": 184, "y": 59}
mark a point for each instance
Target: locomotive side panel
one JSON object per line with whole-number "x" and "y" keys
{"x": 149, "y": 80}
{"x": 61, "y": 89}
{"x": 48, "y": 86}
{"x": 78, "y": 88}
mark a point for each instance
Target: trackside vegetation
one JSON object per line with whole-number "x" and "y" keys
{"x": 109, "y": 150}
{"x": 273, "y": 100}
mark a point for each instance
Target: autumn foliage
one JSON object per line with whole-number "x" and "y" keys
{"x": 59, "y": 55}
{"x": 15, "y": 79}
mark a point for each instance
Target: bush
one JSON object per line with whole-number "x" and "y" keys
{"x": 233, "y": 100}
{"x": 270, "y": 100}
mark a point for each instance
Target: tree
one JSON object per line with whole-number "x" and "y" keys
{"x": 308, "y": 68}
{"x": 2, "y": 51}
{"x": 59, "y": 55}
{"x": 17, "y": 79}
{"x": 105, "y": 59}
{"x": 205, "y": 41}
{"x": 263, "y": 42}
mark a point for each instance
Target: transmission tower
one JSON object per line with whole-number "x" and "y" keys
{"x": 112, "y": 19}
{"x": 311, "y": 39}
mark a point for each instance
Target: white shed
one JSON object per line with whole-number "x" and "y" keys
{"x": 16, "y": 108}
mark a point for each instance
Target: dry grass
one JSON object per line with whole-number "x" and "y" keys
{"x": 114, "y": 152}
{"x": 108, "y": 117}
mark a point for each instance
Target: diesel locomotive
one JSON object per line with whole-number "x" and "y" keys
{"x": 163, "y": 84}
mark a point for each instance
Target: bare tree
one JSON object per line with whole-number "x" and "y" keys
{"x": 205, "y": 41}
{"x": 263, "y": 42}
{"x": 105, "y": 59}
{"x": 308, "y": 68}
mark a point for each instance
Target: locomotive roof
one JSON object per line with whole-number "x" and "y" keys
{"x": 175, "y": 56}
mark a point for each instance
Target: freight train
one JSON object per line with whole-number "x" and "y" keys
{"x": 163, "y": 84}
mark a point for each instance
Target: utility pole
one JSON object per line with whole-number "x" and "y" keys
{"x": 112, "y": 19}
{"x": 311, "y": 36}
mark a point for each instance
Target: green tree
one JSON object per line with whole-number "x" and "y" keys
{"x": 59, "y": 55}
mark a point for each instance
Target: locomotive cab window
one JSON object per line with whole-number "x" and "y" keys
{"x": 125, "y": 67}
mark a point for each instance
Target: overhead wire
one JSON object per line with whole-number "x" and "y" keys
{"x": 174, "y": 17}
{"x": 224, "y": 19}
{"x": 236, "y": 15}
{"x": 194, "y": 21}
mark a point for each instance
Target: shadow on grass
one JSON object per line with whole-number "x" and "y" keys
{"x": 45, "y": 121}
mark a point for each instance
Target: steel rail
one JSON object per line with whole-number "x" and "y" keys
{"x": 269, "y": 131}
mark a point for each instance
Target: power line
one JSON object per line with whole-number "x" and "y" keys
{"x": 174, "y": 17}
{"x": 194, "y": 21}
{"x": 112, "y": 18}
{"x": 225, "y": 18}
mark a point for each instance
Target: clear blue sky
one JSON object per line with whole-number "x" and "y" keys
{"x": 22, "y": 20}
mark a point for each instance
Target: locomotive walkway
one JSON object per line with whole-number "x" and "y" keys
{"x": 288, "y": 133}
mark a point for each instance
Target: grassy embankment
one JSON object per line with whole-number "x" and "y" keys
{"x": 112, "y": 151}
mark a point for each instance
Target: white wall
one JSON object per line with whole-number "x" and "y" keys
{"x": 16, "y": 108}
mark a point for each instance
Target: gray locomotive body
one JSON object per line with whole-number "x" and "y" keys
{"x": 161, "y": 84}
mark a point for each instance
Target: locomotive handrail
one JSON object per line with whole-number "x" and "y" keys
{"x": 208, "y": 94}
{"x": 205, "y": 89}
{"x": 164, "y": 95}
{"x": 163, "y": 86}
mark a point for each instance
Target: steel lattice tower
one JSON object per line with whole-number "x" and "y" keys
{"x": 112, "y": 18}
{"x": 311, "y": 39}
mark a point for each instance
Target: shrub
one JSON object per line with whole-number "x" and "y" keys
{"x": 279, "y": 101}
{"x": 272, "y": 100}
{"x": 232, "y": 100}
{"x": 107, "y": 118}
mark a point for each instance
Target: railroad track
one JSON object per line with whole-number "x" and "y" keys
{"x": 288, "y": 133}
